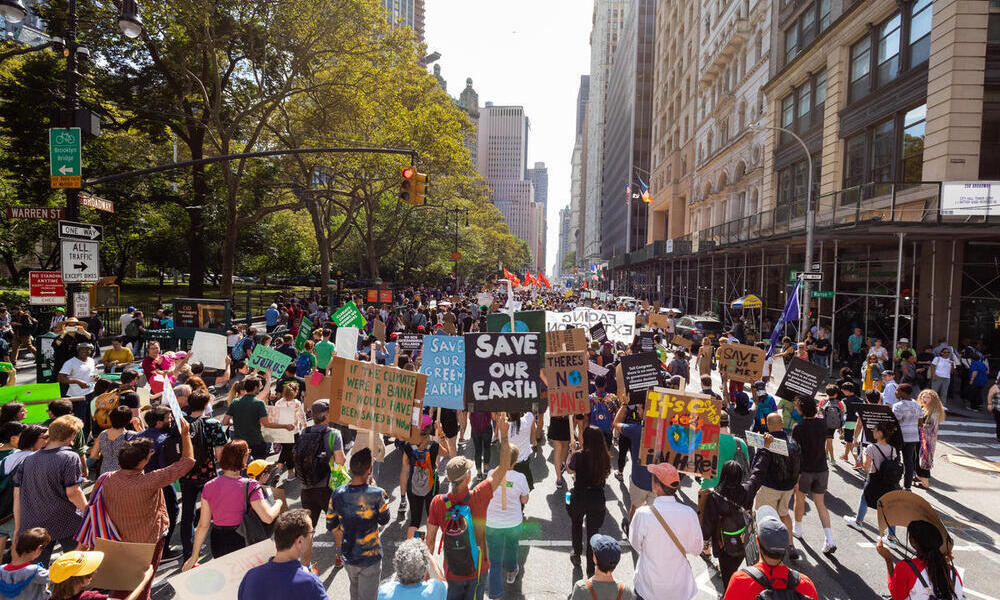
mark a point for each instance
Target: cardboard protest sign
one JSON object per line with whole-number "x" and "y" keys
{"x": 566, "y": 340}
{"x": 597, "y": 369}
{"x": 802, "y": 378}
{"x": 349, "y": 315}
{"x": 373, "y": 397}
{"x": 646, "y": 341}
{"x": 219, "y": 578}
{"x": 316, "y": 389}
{"x": 566, "y": 375}
{"x": 900, "y": 508}
{"x": 598, "y": 333}
{"x": 658, "y": 321}
{"x": 170, "y": 399}
{"x": 209, "y": 349}
{"x": 305, "y": 330}
{"x": 756, "y": 440}
{"x": 265, "y": 358}
{"x": 444, "y": 365}
{"x": 282, "y": 415}
{"x": 124, "y": 564}
{"x": 410, "y": 341}
{"x": 681, "y": 428}
{"x": 873, "y": 414}
{"x": 378, "y": 329}
{"x": 619, "y": 325}
{"x": 502, "y": 371}
{"x": 680, "y": 340}
{"x": 346, "y": 342}
{"x": 484, "y": 299}
{"x": 739, "y": 362}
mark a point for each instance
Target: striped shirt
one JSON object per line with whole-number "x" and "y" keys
{"x": 134, "y": 501}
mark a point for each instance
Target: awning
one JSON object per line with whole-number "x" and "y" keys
{"x": 748, "y": 301}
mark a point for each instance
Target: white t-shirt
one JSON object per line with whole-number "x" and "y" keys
{"x": 942, "y": 367}
{"x": 496, "y": 516}
{"x": 84, "y": 371}
{"x": 522, "y": 437}
{"x": 124, "y": 320}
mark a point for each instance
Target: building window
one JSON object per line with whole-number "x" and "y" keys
{"x": 860, "y": 68}
{"x": 921, "y": 13}
{"x": 913, "y": 144}
{"x": 792, "y": 183}
{"x": 889, "y": 151}
{"x": 854, "y": 161}
{"x": 802, "y": 109}
{"x": 883, "y": 137}
{"x": 888, "y": 51}
{"x": 813, "y": 21}
{"x": 892, "y": 56}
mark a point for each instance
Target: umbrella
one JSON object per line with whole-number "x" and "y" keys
{"x": 748, "y": 301}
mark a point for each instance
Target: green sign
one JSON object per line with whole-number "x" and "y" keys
{"x": 65, "y": 168}
{"x": 265, "y": 358}
{"x": 305, "y": 330}
{"x": 822, "y": 294}
{"x": 34, "y": 396}
{"x": 349, "y": 315}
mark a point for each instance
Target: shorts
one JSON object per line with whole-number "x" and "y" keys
{"x": 449, "y": 422}
{"x": 559, "y": 429}
{"x": 830, "y": 433}
{"x": 779, "y": 499}
{"x": 7, "y": 529}
{"x": 849, "y": 433}
{"x": 815, "y": 483}
{"x": 638, "y": 496}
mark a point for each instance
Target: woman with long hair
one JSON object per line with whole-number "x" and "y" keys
{"x": 993, "y": 403}
{"x": 522, "y": 435}
{"x": 930, "y": 571}
{"x": 590, "y": 468}
{"x": 726, "y": 503}
{"x": 930, "y": 421}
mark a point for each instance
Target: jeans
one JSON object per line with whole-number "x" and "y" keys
{"x": 170, "y": 497}
{"x": 468, "y": 589}
{"x": 483, "y": 443}
{"x": 910, "y": 452}
{"x": 940, "y": 385}
{"x": 502, "y": 547}
{"x": 190, "y": 493}
{"x": 624, "y": 445}
{"x": 586, "y": 505}
{"x": 81, "y": 410}
{"x": 261, "y": 450}
{"x": 819, "y": 360}
{"x": 224, "y": 540}
{"x": 316, "y": 501}
{"x": 364, "y": 580}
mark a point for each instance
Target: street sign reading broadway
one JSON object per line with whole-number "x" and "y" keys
{"x": 71, "y": 230}
{"x": 65, "y": 169}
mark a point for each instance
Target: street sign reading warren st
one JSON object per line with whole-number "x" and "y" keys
{"x": 71, "y": 230}
{"x": 65, "y": 157}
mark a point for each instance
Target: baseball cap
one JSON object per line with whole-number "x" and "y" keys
{"x": 74, "y": 564}
{"x": 904, "y": 340}
{"x": 321, "y": 406}
{"x": 772, "y": 535}
{"x": 257, "y": 467}
{"x": 458, "y": 468}
{"x": 666, "y": 473}
{"x": 606, "y": 549}
{"x": 421, "y": 329}
{"x": 759, "y": 385}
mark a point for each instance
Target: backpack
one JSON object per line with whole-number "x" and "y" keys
{"x": 6, "y": 491}
{"x": 786, "y": 468}
{"x": 461, "y": 552}
{"x": 239, "y": 350}
{"x": 832, "y": 415}
{"x": 600, "y": 416}
{"x": 104, "y": 405}
{"x": 422, "y": 480}
{"x": 736, "y": 527}
{"x": 132, "y": 329}
{"x": 884, "y": 480}
{"x": 313, "y": 453}
{"x": 769, "y": 592}
{"x": 204, "y": 458}
{"x": 927, "y": 588}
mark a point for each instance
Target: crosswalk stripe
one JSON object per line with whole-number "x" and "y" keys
{"x": 976, "y": 434}
{"x": 975, "y": 445}
{"x": 949, "y": 425}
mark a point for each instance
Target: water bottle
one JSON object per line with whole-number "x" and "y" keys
{"x": 568, "y": 496}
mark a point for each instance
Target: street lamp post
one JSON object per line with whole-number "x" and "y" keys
{"x": 810, "y": 230}
{"x": 458, "y": 212}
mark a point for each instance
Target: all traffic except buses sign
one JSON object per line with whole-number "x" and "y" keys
{"x": 46, "y": 287}
{"x": 65, "y": 169}
{"x": 80, "y": 261}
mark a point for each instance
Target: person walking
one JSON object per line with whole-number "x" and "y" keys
{"x": 663, "y": 534}
{"x": 420, "y": 462}
{"x": 933, "y": 416}
{"x": 482, "y": 440}
{"x": 357, "y": 513}
{"x": 814, "y": 473}
{"x": 726, "y": 507}
{"x": 284, "y": 576}
{"x": 908, "y": 413}
{"x": 875, "y": 454}
{"x": 750, "y": 583}
{"x": 929, "y": 574}
{"x": 111, "y": 440}
{"x": 601, "y": 585}
{"x": 503, "y": 528}
{"x": 208, "y": 439}
{"x": 993, "y": 404}
{"x": 319, "y": 447}
{"x": 590, "y": 468}
{"x": 418, "y": 576}
{"x": 942, "y": 368}
{"x": 773, "y": 476}
{"x": 705, "y": 353}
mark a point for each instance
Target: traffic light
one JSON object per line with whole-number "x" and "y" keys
{"x": 406, "y": 188}
{"x": 419, "y": 188}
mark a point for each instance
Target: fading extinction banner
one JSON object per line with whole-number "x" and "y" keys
{"x": 618, "y": 325}
{"x": 373, "y": 397}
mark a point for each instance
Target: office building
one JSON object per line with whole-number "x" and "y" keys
{"x": 578, "y": 180}
{"x": 406, "y": 13}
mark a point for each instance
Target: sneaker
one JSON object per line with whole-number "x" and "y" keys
{"x": 512, "y": 575}
{"x": 853, "y": 523}
{"x": 829, "y": 548}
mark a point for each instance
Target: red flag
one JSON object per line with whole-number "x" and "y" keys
{"x": 584, "y": 285}
{"x": 544, "y": 280}
{"x": 529, "y": 280}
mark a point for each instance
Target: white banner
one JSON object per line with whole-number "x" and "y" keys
{"x": 346, "y": 344}
{"x": 970, "y": 198}
{"x": 620, "y": 326}
{"x": 219, "y": 578}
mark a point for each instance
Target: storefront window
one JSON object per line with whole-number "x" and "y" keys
{"x": 913, "y": 143}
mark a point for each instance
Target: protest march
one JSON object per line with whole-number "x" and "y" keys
{"x": 220, "y": 468}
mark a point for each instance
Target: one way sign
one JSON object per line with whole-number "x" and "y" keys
{"x": 80, "y": 261}
{"x": 71, "y": 230}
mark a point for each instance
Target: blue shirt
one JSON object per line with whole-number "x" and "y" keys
{"x": 271, "y": 317}
{"x": 360, "y": 510}
{"x": 979, "y": 368}
{"x": 765, "y": 406}
{"x": 640, "y": 474}
{"x": 435, "y": 589}
{"x": 159, "y": 436}
{"x": 280, "y": 581}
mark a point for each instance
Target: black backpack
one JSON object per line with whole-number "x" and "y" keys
{"x": 885, "y": 479}
{"x": 204, "y": 458}
{"x": 786, "y": 468}
{"x": 312, "y": 455}
{"x": 832, "y": 415}
{"x": 769, "y": 592}
{"x": 736, "y": 527}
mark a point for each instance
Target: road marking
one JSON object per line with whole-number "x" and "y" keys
{"x": 975, "y": 434}
{"x": 963, "y": 424}
{"x": 977, "y": 594}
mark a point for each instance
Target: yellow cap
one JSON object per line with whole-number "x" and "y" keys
{"x": 255, "y": 468}
{"x": 74, "y": 564}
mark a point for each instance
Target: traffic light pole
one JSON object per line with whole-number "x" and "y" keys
{"x": 71, "y": 103}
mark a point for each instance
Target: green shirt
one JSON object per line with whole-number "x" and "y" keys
{"x": 728, "y": 445}
{"x": 324, "y": 351}
{"x": 246, "y": 413}
{"x": 79, "y": 442}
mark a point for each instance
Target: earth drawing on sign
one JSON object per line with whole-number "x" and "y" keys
{"x": 574, "y": 377}
{"x": 684, "y": 434}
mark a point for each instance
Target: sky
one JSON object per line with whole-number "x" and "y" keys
{"x": 521, "y": 52}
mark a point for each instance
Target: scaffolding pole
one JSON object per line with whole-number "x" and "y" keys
{"x": 951, "y": 292}
{"x": 868, "y": 278}
{"x": 913, "y": 289}
{"x": 899, "y": 286}
{"x": 930, "y": 335}
{"x": 833, "y": 301}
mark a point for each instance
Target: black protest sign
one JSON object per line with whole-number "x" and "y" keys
{"x": 641, "y": 371}
{"x": 802, "y": 378}
{"x": 646, "y": 341}
{"x": 410, "y": 341}
{"x": 598, "y": 333}
{"x": 873, "y": 414}
{"x": 502, "y": 371}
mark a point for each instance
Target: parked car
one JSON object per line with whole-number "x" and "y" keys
{"x": 696, "y": 328}
{"x": 677, "y": 312}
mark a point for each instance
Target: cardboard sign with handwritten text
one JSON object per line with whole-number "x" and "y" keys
{"x": 566, "y": 374}
{"x": 681, "y": 428}
{"x": 374, "y": 397}
{"x": 739, "y": 362}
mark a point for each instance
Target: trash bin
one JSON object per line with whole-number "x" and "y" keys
{"x": 45, "y": 371}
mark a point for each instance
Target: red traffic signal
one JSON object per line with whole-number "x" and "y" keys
{"x": 406, "y": 187}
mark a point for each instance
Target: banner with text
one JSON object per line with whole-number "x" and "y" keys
{"x": 502, "y": 371}
{"x": 739, "y": 362}
{"x": 265, "y": 358}
{"x": 444, "y": 365}
{"x": 373, "y": 397}
{"x": 681, "y": 428}
{"x": 566, "y": 375}
{"x": 349, "y": 315}
{"x": 618, "y": 325}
